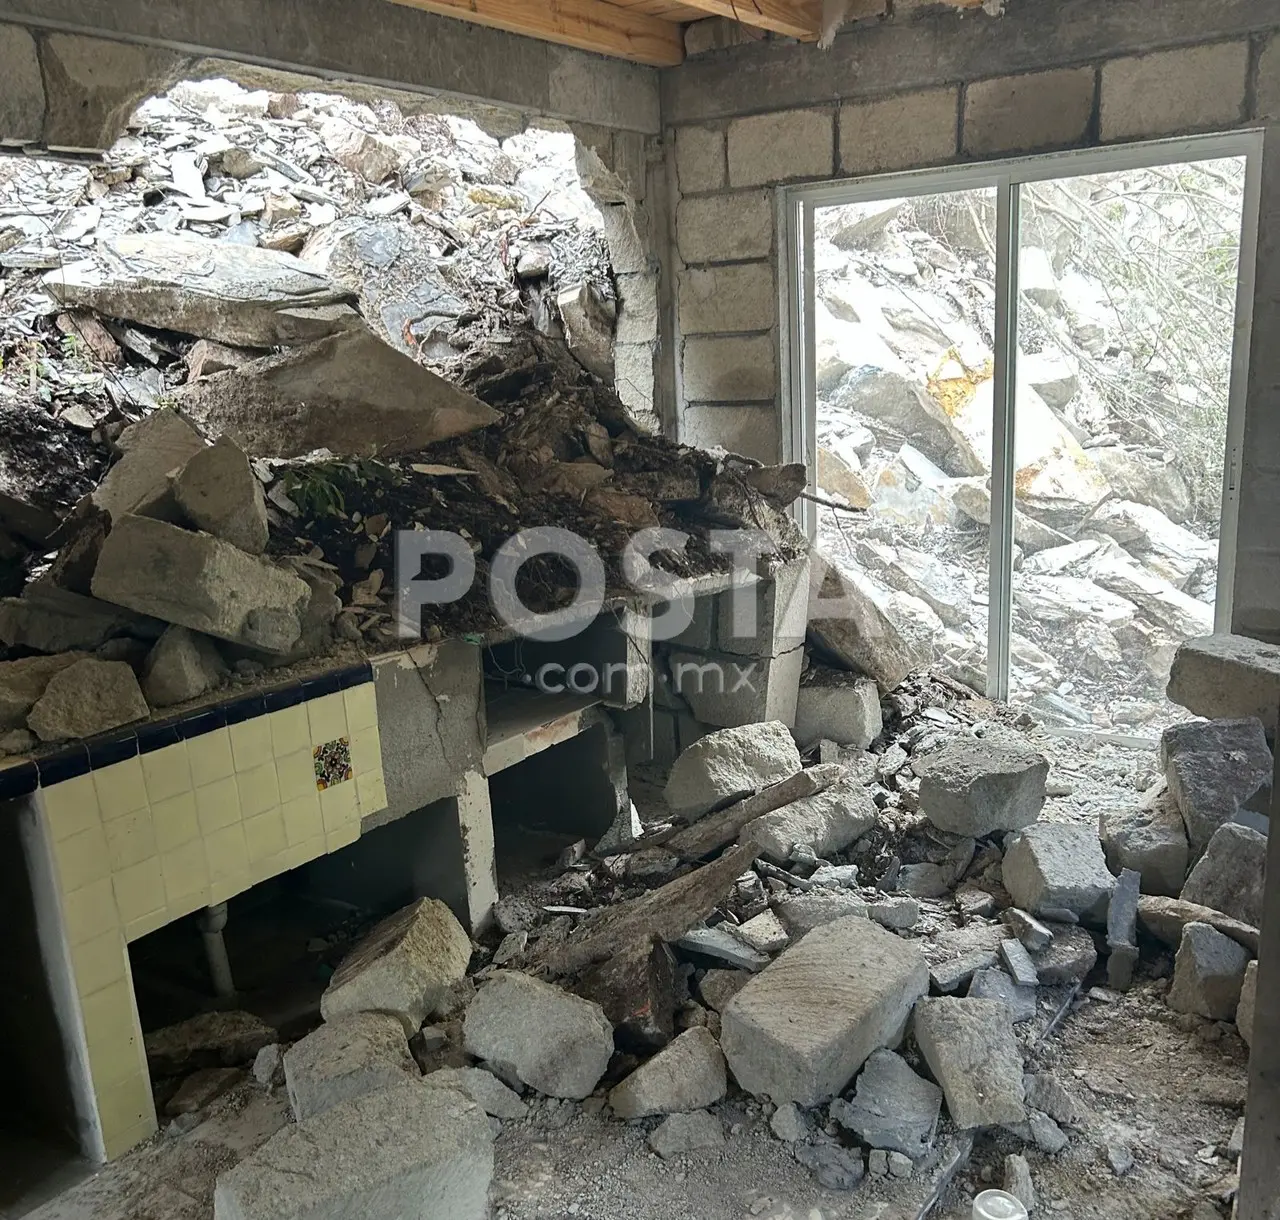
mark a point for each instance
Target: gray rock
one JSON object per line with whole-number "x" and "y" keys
{"x": 686, "y": 1075}
{"x": 718, "y": 987}
{"x": 1045, "y": 1133}
{"x": 17, "y": 741}
{"x": 681, "y": 1133}
{"x": 1029, "y": 930}
{"x": 1151, "y": 840}
{"x": 724, "y": 946}
{"x": 1055, "y": 865}
{"x": 1019, "y": 964}
{"x": 1227, "y": 676}
{"x": 485, "y": 1089}
{"x": 801, "y": 913}
{"x": 418, "y": 1161}
{"x": 728, "y": 764}
{"x": 788, "y": 1124}
{"x": 971, "y": 1051}
{"x": 201, "y": 582}
{"x": 1045, "y": 1092}
{"x": 49, "y": 619}
{"x": 835, "y": 1167}
{"x": 1229, "y": 876}
{"x": 1122, "y": 931}
{"x": 355, "y": 1054}
{"x": 891, "y": 1107}
{"x": 218, "y": 492}
{"x": 1120, "y": 1158}
{"x": 213, "y": 1039}
{"x": 974, "y": 787}
{"x": 1248, "y": 1004}
{"x": 837, "y": 706}
{"x": 900, "y": 1166}
{"x": 1208, "y": 974}
{"x": 994, "y": 984}
{"x": 900, "y": 914}
{"x": 181, "y": 665}
{"x": 22, "y": 682}
{"x": 588, "y": 322}
{"x": 952, "y": 974}
{"x": 803, "y": 1026}
{"x": 1017, "y": 1181}
{"x": 828, "y": 821}
{"x": 1069, "y": 958}
{"x": 268, "y": 1066}
{"x": 405, "y": 966}
{"x": 764, "y": 933}
{"x": 85, "y": 698}
{"x": 1165, "y": 919}
{"x": 1214, "y": 768}
{"x": 157, "y": 446}
{"x": 557, "y": 1043}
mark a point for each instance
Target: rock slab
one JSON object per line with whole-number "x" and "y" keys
{"x": 728, "y": 764}
{"x": 975, "y": 788}
{"x": 686, "y": 1075}
{"x": 836, "y": 706}
{"x": 1151, "y": 840}
{"x": 484, "y": 1088}
{"x": 218, "y": 492}
{"x": 1208, "y": 974}
{"x": 892, "y": 1107}
{"x": 344, "y": 1059}
{"x": 88, "y": 697}
{"x": 1227, "y": 676}
{"x": 1248, "y": 1004}
{"x": 1229, "y": 877}
{"x": 803, "y": 1026}
{"x": 1054, "y": 866}
{"x": 182, "y": 665}
{"x": 828, "y": 821}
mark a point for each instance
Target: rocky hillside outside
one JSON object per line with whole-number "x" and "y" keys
{"x": 1126, "y": 320}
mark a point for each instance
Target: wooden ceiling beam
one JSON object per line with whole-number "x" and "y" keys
{"x": 795, "y": 18}
{"x": 589, "y": 25}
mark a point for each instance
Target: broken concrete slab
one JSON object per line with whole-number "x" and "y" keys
{"x": 1122, "y": 931}
{"x": 892, "y": 1107}
{"x": 1247, "y": 1007}
{"x": 22, "y": 682}
{"x": 687, "y": 1075}
{"x": 1225, "y": 676}
{"x": 49, "y": 619}
{"x": 1229, "y": 877}
{"x": 950, "y": 975}
{"x": 405, "y": 966}
{"x": 244, "y": 296}
{"x": 151, "y": 450}
{"x": 85, "y": 698}
{"x": 993, "y": 983}
{"x": 181, "y": 665}
{"x": 421, "y": 1154}
{"x": 1018, "y": 962}
{"x": 1029, "y": 930}
{"x": 213, "y": 1039}
{"x": 557, "y": 1043}
{"x": 1166, "y": 918}
{"x": 1215, "y": 768}
{"x": 829, "y": 821}
{"x": 351, "y": 394}
{"x": 972, "y": 1053}
{"x": 729, "y": 764}
{"x": 354, "y": 1054}
{"x": 201, "y": 582}
{"x": 1058, "y": 866}
{"x": 1069, "y": 958}
{"x": 837, "y": 706}
{"x": 975, "y": 787}
{"x": 801, "y": 913}
{"x": 204, "y": 358}
{"x": 764, "y": 933}
{"x": 718, "y": 987}
{"x": 484, "y": 1088}
{"x": 682, "y": 1133}
{"x": 724, "y": 946}
{"x": 218, "y": 492}
{"x": 1208, "y": 974}
{"x": 1151, "y": 840}
{"x": 801, "y": 1028}
{"x": 1045, "y": 1092}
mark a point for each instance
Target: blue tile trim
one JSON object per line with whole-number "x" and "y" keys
{"x": 152, "y": 737}
{"x": 244, "y": 708}
{"x": 111, "y": 748}
{"x": 322, "y": 684}
{"x": 64, "y": 765}
{"x": 21, "y": 779}
{"x": 199, "y": 723}
{"x": 284, "y": 696}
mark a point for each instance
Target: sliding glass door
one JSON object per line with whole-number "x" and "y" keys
{"x": 1017, "y": 389}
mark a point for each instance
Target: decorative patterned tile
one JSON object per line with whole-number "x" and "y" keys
{"x": 332, "y": 763}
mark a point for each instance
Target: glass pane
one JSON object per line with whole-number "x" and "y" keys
{"x": 1127, "y": 286}
{"x": 904, "y": 328}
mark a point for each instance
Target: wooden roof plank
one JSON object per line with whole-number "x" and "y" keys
{"x": 794, "y": 18}
{"x": 589, "y": 25}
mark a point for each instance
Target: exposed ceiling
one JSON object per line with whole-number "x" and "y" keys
{"x": 645, "y": 31}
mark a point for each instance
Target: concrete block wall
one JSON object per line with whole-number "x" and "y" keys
{"x": 926, "y": 89}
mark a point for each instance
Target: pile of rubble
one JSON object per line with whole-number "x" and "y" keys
{"x": 876, "y": 948}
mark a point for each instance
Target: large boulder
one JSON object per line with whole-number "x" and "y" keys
{"x": 1180, "y": 614}
{"x": 1151, "y": 840}
{"x": 971, "y": 1050}
{"x": 1227, "y": 676}
{"x": 892, "y": 1107}
{"x": 182, "y": 665}
{"x": 974, "y": 788}
{"x": 244, "y": 296}
{"x": 805, "y": 1024}
{"x": 22, "y": 682}
{"x": 1057, "y": 867}
{"x": 346, "y": 1058}
{"x": 1167, "y": 549}
{"x": 150, "y": 451}
{"x": 686, "y": 1075}
{"x": 402, "y": 1152}
{"x": 1208, "y": 974}
{"x": 405, "y": 966}
{"x": 201, "y": 582}
{"x": 557, "y": 1043}
{"x": 351, "y": 394}
{"x": 1215, "y": 768}
{"x": 1230, "y": 876}
{"x": 88, "y": 697}
{"x": 828, "y": 821}
{"x": 728, "y": 764}
{"x": 1145, "y": 479}
{"x": 218, "y": 492}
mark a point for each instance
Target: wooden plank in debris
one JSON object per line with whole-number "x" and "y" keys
{"x": 717, "y": 829}
{"x": 666, "y": 913}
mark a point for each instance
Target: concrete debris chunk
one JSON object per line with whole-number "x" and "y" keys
{"x": 213, "y": 1039}
{"x": 975, "y": 788}
{"x": 718, "y": 987}
{"x": 85, "y": 698}
{"x": 351, "y": 394}
{"x": 994, "y": 984}
{"x": 972, "y": 1053}
{"x": 218, "y": 492}
{"x": 1208, "y": 974}
{"x": 268, "y": 1066}
{"x": 372, "y": 155}
{"x": 155, "y": 447}
{"x": 1165, "y": 919}
{"x": 803, "y": 1026}
{"x": 1045, "y": 1092}
{"x": 764, "y": 933}
{"x": 405, "y": 966}
{"x": 1122, "y": 931}
{"x": 1070, "y": 957}
{"x": 557, "y": 1043}
{"x": 836, "y": 706}
{"x": 419, "y": 1155}
{"x": 181, "y": 665}
{"x": 724, "y": 946}
{"x": 892, "y": 1107}
{"x": 788, "y": 1123}
{"x": 201, "y": 582}
{"x": 1151, "y": 840}
{"x": 1059, "y": 866}
{"x": 243, "y": 296}
{"x": 683, "y": 1133}
{"x": 900, "y": 914}
{"x": 588, "y": 321}
{"x": 950, "y": 975}
{"x": 355, "y": 1054}
{"x": 1215, "y": 768}
{"x": 1248, "y": 1003}
{"x": 1019, "y": 964}
{"x": 687, "y": 1075}
{"x": 1029, "y": 930}
{"x": 1227, "y": 676}
{"x": 1229, "y": 876}
{"x": 835, "y": 1167}
{"x": 1017, "y": 1181}
{"x": 484, "y": 1088}
{"x": 828, "y": 822}
{"x": 1045, "y": 1133}
{"x": 802, "y": 912}
{"x": 22, "y": 682}
{"x": 54, "y": 620}
{"x": 729, "y": 764}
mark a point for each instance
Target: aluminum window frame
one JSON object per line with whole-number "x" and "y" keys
{"x": 796, "y": 207}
